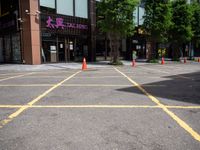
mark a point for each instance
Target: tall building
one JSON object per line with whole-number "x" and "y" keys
{"x": 40, "y": 31}
{"x": 138, "y": 41}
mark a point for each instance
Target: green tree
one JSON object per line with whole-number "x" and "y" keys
{"x": 181, "y": 29}
{"x": 117, "y": 22}
{"x": 196, "y": 23}
{"x": 157, "y": 21}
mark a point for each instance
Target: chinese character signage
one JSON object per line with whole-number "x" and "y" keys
{"x": 59, "y": 23}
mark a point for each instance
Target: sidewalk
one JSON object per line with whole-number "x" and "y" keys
{"x": 72, "y": 65}
{"x": 57, "y": 66}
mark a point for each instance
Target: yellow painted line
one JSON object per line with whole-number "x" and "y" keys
{"x": 98, "y": 106}
{"x": 183, "y": 107}
{"x": 94, "y": 72}
{"x": 152, "y": 85}
{"x": 78, "y": 106}
{"x": 45, "y": 76}
{"x": 183, "y": 124}
{"x": 23, "y": 108}
{"x": 96, "y": 77}
{"x": 96, "y": 85}
{"x": 25, "y": 85}
{"x": 64, "y": 85}
{"x": 18, "y": 76}
{"x": 12, "y": 106}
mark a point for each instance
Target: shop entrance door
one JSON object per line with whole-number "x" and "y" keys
{"x": 61, "y": 52}
{"x": 70, "y": 51}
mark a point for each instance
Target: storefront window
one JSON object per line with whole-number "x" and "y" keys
{"x": 47, "y": 3}
{"x": 49, "y": 51}
{"x": 16, "y": 54}
{"x": 7, "y": 47}
{"x": 1, "y": 50}
{"x": 81, "y": 8}
{"x": 65, "y": 7}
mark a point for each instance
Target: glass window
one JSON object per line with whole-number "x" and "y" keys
{"x": 81, "y": 8}
{"x": 7, "y": 48}
{"x": 139, "y": 12}
{"x": 1, "y": 50}
{"x": 47, "y": 3}
{"x": 65, "y": 7}
{"x": 16, "y": 53}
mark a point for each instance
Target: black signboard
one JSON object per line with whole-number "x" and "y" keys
{"x": 60, "y": 24}
{"x": 8, "y": 23}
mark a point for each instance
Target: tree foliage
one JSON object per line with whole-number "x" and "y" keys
{"x": 196, "y": 20}
{"x": 117, "y": 21}
{"x": 181, "y": 30}
{"x": 157, "y": 19}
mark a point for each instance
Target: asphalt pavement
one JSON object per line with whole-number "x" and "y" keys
{"x": 60, "y": 107}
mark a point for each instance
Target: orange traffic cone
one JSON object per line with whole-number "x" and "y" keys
{"x": 199, "y": 60}
{"x": 84, "y": 65}
{"x": 133, "y": 63}
{"x": 185, "y": 60}
{"x": 163, "y": 61}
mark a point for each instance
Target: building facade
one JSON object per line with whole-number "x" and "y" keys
{"x": 44, "y": 31}
{"x": 9, "y": 32}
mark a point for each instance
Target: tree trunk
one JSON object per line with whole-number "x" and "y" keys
{"x": 153, "y": 47}
{"x": 175, "y": 52}
{"x": 114, "y": 39}
{"x": 152, "y": 50}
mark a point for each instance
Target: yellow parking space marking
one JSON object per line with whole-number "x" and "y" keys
{"x": 98, "y": 106}
{"x": 183, "y": 107}
{"x": 65, "y": 85}
{"x": 98, "y": 85}
{"x": 40, "y": 77}
{"x": 152, "y": 85}
{"x": 97, "y": 77}
{"x": 25, "y": 85}
{"x": 23, "y": 108}
{"x": 18, "y": 76}
{"x": 179, "y": 121}
{"x": 11, "y": 106}
{"x": 99, "y": 73}
{"x": 78, "y": 106}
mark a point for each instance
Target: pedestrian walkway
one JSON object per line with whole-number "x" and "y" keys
{"x": 58, "y": 66}
{"x": 77, "y": 65}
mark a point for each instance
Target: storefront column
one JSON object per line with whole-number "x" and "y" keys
{"x": 93, "y": 29}
{"x": 30, "y": 32}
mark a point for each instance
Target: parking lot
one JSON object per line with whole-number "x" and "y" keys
{"x": 147, "y": 107}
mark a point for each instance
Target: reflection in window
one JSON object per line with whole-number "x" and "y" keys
{"x": 47, "y": 3}
{"x": 16, "y": 53}
{"x": 65, "y": 7}
{"x": 81, "y": 8}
